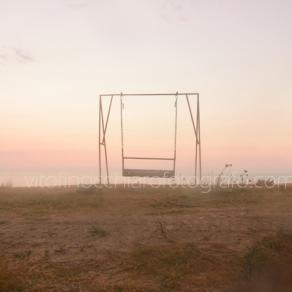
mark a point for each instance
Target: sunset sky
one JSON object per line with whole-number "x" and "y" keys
{"x": 56, "y": 56}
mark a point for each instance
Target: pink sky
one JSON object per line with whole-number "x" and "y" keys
{"x": 57, "y": 56}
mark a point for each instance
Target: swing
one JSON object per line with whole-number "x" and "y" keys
{"x": 161, "y": 173}
{"x": 133, "y": 172}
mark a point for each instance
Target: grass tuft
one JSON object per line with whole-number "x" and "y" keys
{"x": 268, "y": 265}
{"x": 271, "y": 253}
{"x": 22, "y": 255}
{"x": 98, "y": 232}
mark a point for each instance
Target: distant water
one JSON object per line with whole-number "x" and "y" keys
{"x": 64, "y": 179}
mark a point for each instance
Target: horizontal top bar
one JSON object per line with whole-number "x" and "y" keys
{"x": 148, "y": 94}
{"x": 149, "y": 158}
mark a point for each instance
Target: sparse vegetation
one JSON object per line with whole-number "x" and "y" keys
{"x": 11, "y": 280}
{"x": 152, "y": 240}
{"x": 175, "y": 265}
{"x": 6, "y": 185}
{"x": 267, "y": 265}
{"x": 41, "y": 202}
{"x": 98, "y": 231}
{"x": 23, "y": 254}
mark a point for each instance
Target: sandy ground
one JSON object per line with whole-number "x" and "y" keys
{"x": 140, "y": 239}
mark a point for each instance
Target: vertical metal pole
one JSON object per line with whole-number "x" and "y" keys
{"x": 199, "y": 130}
{"x": 104, "y": 142}
{"x": 196, "y": 163}
{"x": 175, "y": 133}
{"x": 122, "y": 131}
{"x": 99, "y": 136}
{"x": 197, "y": 143}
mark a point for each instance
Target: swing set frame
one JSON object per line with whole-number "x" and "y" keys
{"x": 103, "y": 125}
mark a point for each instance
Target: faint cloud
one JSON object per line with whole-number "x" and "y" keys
{"x": 175, "y": 4}
{"x": 77, "y": 4}
{"x": 175, "y": 10}
{"x": 2, "y": 57}
{"x": 23, "y": 56}
{"x": 15, "y": 55}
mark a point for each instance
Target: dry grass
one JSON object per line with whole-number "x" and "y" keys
{"x": 46, "y": 201}
{"x": 268, "y": 265}
{"x": 11, "y": 280}
{"x": 177, "y": 266}
{"x": 145, "y": 240}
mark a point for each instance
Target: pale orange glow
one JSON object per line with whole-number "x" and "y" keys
{"x": 53, "y": 68}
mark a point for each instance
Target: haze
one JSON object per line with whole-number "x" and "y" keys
{"x": 57, "y": 56}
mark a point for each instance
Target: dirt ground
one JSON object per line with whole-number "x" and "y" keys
{"x": 164, "y": 239}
